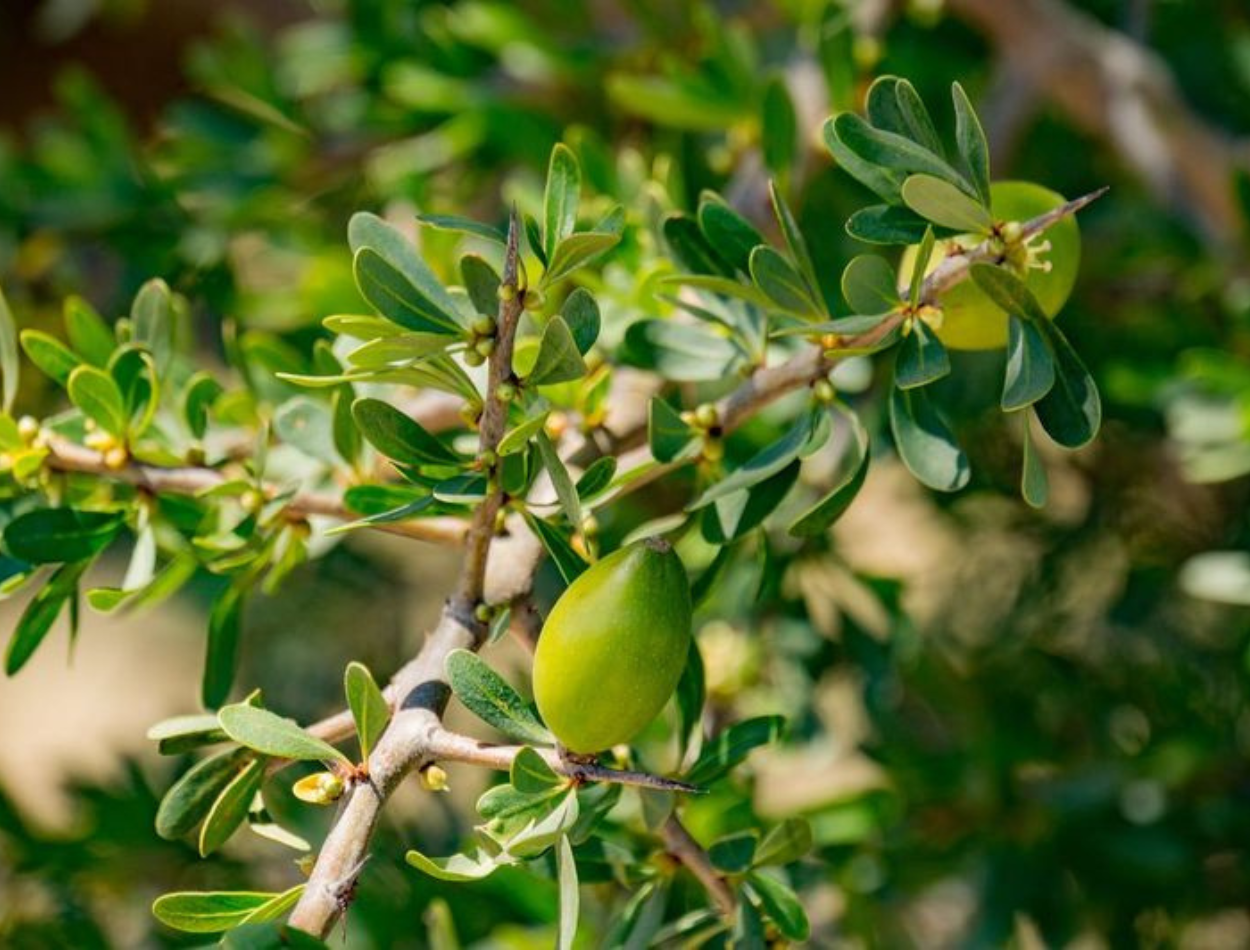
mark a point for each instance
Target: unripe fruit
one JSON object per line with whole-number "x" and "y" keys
{"x": 971, "y": 321}
{"x": 484, "y": 326}
{"x": 473, "y": 358}
{"x": 613, "y": 647}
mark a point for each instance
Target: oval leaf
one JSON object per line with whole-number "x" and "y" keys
{"x": 274, "y": 735}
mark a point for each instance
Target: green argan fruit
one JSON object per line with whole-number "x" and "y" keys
{"x": 613, "y": 647}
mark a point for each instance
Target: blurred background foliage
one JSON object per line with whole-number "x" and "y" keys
{"x": 1008, "y": 727}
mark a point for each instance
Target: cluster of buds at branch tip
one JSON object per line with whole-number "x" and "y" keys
{"x": 481, "y": 342}
{"x": 108, "y": 445}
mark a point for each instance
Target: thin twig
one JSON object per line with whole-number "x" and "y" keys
{"x": 679, "y": 843}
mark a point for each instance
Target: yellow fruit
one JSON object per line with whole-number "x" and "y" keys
{"x": 613, "y": 647}
{"x": 970, "y": 320}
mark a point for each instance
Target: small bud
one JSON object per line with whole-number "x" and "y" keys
{"x": 116, "y": 458}
{"x": 320, "y": 788}
{"x": 487, "y": 459}
{"x": 829, "y": 341}
{"x": 195, "y": 455}
{"x": 484, "y": 326}
{"x": 824, "y": 392}
{"x": 485, "y": 347}
{"x": 1011, "y": 231}
{"x": 506, "y": 292}
{"x": 483, "y": 613}
{"x": 713, "y": 450}
{"x": 706, "y": 416}
{"x": 557, "y": 423}
{"x": 89, "y": 425}
{"x": 506, "y": 392}
{"x": 252, "y": 500}
{"x": 100, "y": 441}
{"x": 533, "y": 300}
{"x": 501, "y": 521}
{"x": 434, "y": 778}
{"x": 28, "y": 428}
{"x": 590, "y": 526}
{"x": 473, "y": 358}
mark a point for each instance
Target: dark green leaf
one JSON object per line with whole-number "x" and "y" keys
{"x": 780, "y": 282}
{"x": 568, "y": 562}
{"x": 94, "y": 392}
{"x": 868, "y": 285}
{"x": 53, "y": 535}
{"x": 198, "y": 396}
{"x": 799, "y": 253}
{"x": 732, "y": 516}
{"x": 489, "y": 697}
{"x": 581, "y": 313}
{"x": 917, "y": 123}
{"x": 922, "y": 358}
{"x": 734, "y": 853}
{"x": 53, "y": 357}
{"x": 919, "y": 266}
{"x": 398, "y": 299}
{"x": 559, "y": 359}
{"x": 974, "y": 152}
{"x": 767, "y": 462}
{"x": 481, "y": 283}
{"x": 1030, "y": 370}
{"x": 1034, "y": 486}
{"x": 667, "y": 433}
{"x": 275, "y": 735}
{"x": 732, "y": 237}
{"x": 534, "y": 237}
{"x": 452, "y": 222}
{"x": 230, "y": 809}
{"x": 189, "y": 799}
{"x": 781, "y": 905}
{"x": 786, "y": 842}
{"x": 435, "y": 310}
{"x": 891, "y": 151}
{"x": 184, "y": 733}
{"x": 818, "y": 519}
{"x": 692, "y": 249}
{"x": 778, "y": 126}
{"x": 41, "y": 613}
{"x": 596, "y": 478}
{"x": 152, "y": 321}
{"x": 886, "y": 224}
{"x": 883, "y": 182}
{"x": 88, "y": 333}
{"x": 225, "y": 622}
{"x": 691, "y": 690}
{"x": 1009, "y": 292}
{"x": 370, "y": 710}
{"x": 398, "y": 436}
{"x": 1072, "y": 411}
{"x": 945, "y": 205}
{"x": 531, "y": 775}
{"x": 560, "y": 201}
{"x": 560, "y": 480}
{"x": 924, "y": 442}
{"x": 732, "y": 746}
{"x": 10, "y": 364}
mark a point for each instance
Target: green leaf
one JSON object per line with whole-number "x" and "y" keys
{"x": 152, "y": 321}
{"x": 1030, "y": 372}
{"x": 780, "y": 282}
{"x": 1072, "y": 411}
{"x": 53, "y": 357}
{"x": 732, "y": 746}
{"x": 184, "y": 733}
{"x": 578, "y": 250}
{"x": 1034, "y": 485}
{"x": 270, "y": 935}
{"x": 481, "y": 283}
{"x": 54, "y": 535}
{"x": 581, "y": 312}
{"x": 531, "y": 775}
{"x": 88, "y": 333}
{"x": 596, "y": 478}
{"x": 889, "y": 150}
{"x": 453, "y": 222}
{"x": 224, "y": 625}
{"x": 10, "y": 364}
{"x": 734, "y": 853}
{"x": 559, "y": 359}
{"x": 398, "y": 436}
{"x": 190, "y": 798}
{"x": 395, "y": 297}
{"x": 489, "y": 697}
{"x": 41, "y": 613}
{"x": 781, "y": 905}
{"x": 566, "y": 876}
{"x": 886, "y": 224}
{"x": 924, "y": 443}
{"x": 198, "y": 396}
{"x": 370, "y": 710}
{"x": 942, "y": 203}
{"x": 821, "y": 516}
{"x": 505, "y": 803}
{"x": 732, "y": 516}
{"x": 974, "y": 152}
{"x": 667, "y": 433}
{"x": 1009, "y": 292}
{"x": 729, "y": 233}
{"x": 778, "y": 126}
{"x": 208, "y": 911}
{"x": 568, "y": 562}
{"x": 919, "y": 266}
{"x": 560, "y": 480}
{"x": 786, "y": 842}
{"x": 561, "y": 198}
{"x": 868, "y": 285}
{"x": 518, "y": 438}
{"x": 688, "y": 244}
{"x": 894, "y": 105}
{"x": 94, "y": 392}
{"x": 307, "y": 424}
{"x": 541, "y": 833}
{"x": 274, "y": 735}
{"x": 436, "y": 311}
{"x": 680, "y": 352}
{"x": 458, "y": 867}
{"x": 230, "y": 809}
{"x": 922, "y": 358}
{"x": 767, "y": 462}
{"x": 794, "y": 241}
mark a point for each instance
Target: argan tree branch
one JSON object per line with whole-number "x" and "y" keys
{"x": 679, "y": 843}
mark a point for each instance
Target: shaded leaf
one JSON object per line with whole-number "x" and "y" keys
{"x": 667, "y": 433}
{"x": 230, "y": 809}
{"x": 780, "y": 282}
{"x": 398, "y": 299}
{"x": 183, "y": 733}
{"x": 781, "y": 905}
{"x": 688, "y": 244}
{"x": 794, "y": 242}
{"x": 436, "y": 311}
{"x": 732, "y": 746}
{"x": 52, "y": 535}
{"x": 821, "y": 516}
{"x": 225, "y": 622}
{"x": 729, "y": 233}
{"x": 868, "y": 286}
{"x": 370, "y": 710}
{"x": 189, "y": 799}
{"x": 970, "y": 143}
{"x": 481, "y": 283}
{"x": 88, "y": 334}
{"x": 566, "y": 877}
{"x": 531, "y": 775}
{"x": 560, "y": 480}
{"x": 398, "y": 436}
{"x": 786, "y": 842}
{"x": 1030, "y": 372}
{"x": 886, "y": 224}
{"x": 924, "y": 442}
{"x": 922, "y": 358}
{"x": 1034, "y": 485}
{"x": 568, "y": 562}
{"x": 41, "y": 613}
{"x": 152, "y": 321}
